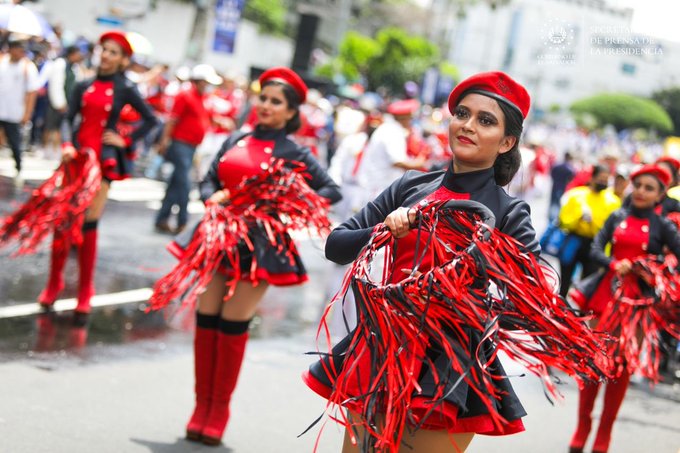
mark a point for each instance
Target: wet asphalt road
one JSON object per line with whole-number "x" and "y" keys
{"x": 124, "y": 382}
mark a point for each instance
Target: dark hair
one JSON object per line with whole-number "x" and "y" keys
{"x": 293, "y": 101}
{"x": 70, "y": 50}
{"x": 507, "y": 164}
{"x": 568, "y": 156}
{"x": 597, "y": 169}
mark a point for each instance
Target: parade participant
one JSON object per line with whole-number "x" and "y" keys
{"x": 385, "y": 158}
{"x": 98, "y": 103}
{"x": 672, "y": 165}
{"x": 222, "y": 326}
{"x": 584, "y": 211}
{"x": 184, "y": 131}
{"x": 488, "y": 111}
{"x": 668, "y": 204}
{"x": 633, "y": 232}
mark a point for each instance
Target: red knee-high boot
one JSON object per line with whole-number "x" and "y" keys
{"x": 205, "y": 347}
{"x": 231, "y": 346}
{"x": 87, "y": 257}
{"x": 586, "y": 402}
{"x": 55, "y": 281}
{"x": 613, "y": 398}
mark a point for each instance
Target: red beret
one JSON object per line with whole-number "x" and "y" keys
{"x": 659, "y": 173}
{"x": 403, "y": 107}
{"x": 497, "y": 85}
{"x": 118, "y": 37}
{"x": 673, "y": 162}
{"x": 287, "y": 76}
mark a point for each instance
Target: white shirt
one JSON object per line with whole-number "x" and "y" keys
{"x": 16, "y": 80}
{"x": 56, "y": 89}
{"x": 345, "y": 158}
{"x": 386, "y": 147}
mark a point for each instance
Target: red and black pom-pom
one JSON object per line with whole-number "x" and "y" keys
{"x": 275, "y": 202}
{"x": 59, "y": 204}
{"x": 482, "y": 283}
{"x": 646, "y": 302}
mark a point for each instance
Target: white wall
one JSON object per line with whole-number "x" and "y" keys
{"x": 480, "y": 42}
{"x": 168, "y": 29}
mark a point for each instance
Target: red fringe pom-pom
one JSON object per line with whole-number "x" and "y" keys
{"x": 482, "y": 281}
{"x": 646, "y": 302}
{"x": 59, "y": 204}
{"x": 276, "y": 202}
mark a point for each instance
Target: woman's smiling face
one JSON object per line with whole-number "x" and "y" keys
{"x": 477, "y": 132}
{"x": 273, "y": 111}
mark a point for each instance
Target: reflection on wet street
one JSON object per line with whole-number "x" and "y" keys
{"x": 130, "y": 256}
{"x": 51, "y": 335}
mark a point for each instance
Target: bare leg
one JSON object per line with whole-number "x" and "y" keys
{"x": 243, "y": 304}
{"x": 422, "y": 441}
{"x": 96, "y": 209}
{"x": 210, "y": 302}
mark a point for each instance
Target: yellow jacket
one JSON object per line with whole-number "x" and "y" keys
{"x": 674, "y": 192}
{"x": 584, "y": 212}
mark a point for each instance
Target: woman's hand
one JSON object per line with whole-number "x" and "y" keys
{"x": 113, "y": 139}
{"x": 68, "y": 152}
{"x": 623, "y": 267}
{"x": 399, "y": 222}
{"x": 219, "y": 197}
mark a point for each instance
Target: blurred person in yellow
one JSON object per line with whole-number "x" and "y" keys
{"x": 583, "y": 213}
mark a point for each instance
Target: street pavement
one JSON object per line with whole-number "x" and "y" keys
{"x": 125, "y": 383}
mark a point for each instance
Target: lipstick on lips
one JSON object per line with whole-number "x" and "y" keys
{"x": 464, "y": 139}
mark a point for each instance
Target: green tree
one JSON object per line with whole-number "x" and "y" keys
{"x": 356, "y": 51}
{"x": 269, "y": 15}
{"x": 669, "y": 100}
{"x": 624, "y": 111}
{"x": 402, "y": 57}
{"x": 390, "y": 60}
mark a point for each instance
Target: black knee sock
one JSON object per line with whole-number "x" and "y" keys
{"x": 234, "y": 327}
{"x": 207, "y": 321}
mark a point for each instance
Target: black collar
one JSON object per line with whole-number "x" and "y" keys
{"x": 468, "y": 182}
{"x": 642, "y": 213}
{"x": 262, "y": 133}
{"x": 108, "y": 77}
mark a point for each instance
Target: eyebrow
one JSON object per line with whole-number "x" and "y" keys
{"x": 493, "y": 115}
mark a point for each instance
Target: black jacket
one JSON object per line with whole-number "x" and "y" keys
{"x": 513, "y": 216}
{"x": 284, "y": 148}
{"x": 662, "y": 232}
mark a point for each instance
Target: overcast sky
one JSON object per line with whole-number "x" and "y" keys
{"x": 658, "y": 18}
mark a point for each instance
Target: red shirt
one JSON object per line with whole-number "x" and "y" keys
{"x": 192, "y": 117}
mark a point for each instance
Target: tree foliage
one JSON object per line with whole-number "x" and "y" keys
{"x": 269, "y": 15}
{"x": 390, "y": 60}
{"x": 669, "y": 100}
{"x": 402, "y": 57}
{"x": 624, "y": 111}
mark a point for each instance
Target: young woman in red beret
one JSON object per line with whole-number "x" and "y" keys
{"x": 96, "y": 107}
{"x": 222, "y": 327}
{"x": 635, "y": 231}
{"x": 488, "y": 111}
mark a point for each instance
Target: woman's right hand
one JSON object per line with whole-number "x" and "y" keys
{"x": 219, "y": 197}
{"x": 68, "y": 152}
{"x": 399, "y": 221}
{"x": 623, "y": 266}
